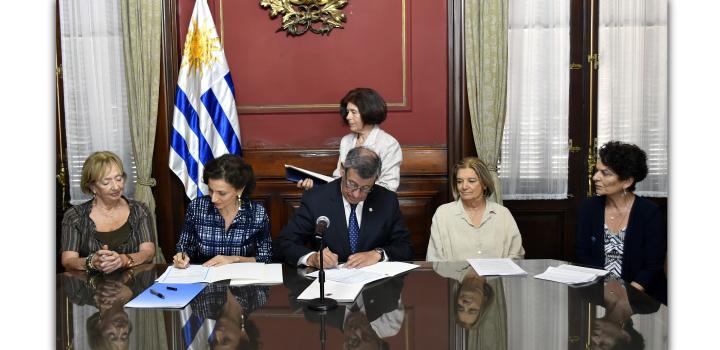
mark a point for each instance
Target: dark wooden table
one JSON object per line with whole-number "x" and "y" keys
{"x": 417, "y": 310}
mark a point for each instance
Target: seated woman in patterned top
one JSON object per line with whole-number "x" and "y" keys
{"x": 619, "y": 231}
{"x": 109, "y": 232}
{"x": 225, "y": 226}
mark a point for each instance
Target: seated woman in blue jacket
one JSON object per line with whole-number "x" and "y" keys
{"x": 619, "y": 231}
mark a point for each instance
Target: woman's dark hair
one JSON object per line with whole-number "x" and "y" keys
{"x": 233, "y": 170}
{"x": 371, "y": 105}
{"x": 636, "y": 342}
{"x": 626, "y": 160}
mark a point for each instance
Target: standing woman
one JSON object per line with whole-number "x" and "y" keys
{"x": 225, "y": 226}
{"x": 108, "y": 232}
{"x": 362, "y": 110}
{"x": 473, "y": 226}
{"x": 619, "y": 231}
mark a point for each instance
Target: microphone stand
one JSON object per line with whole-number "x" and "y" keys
{"x": 322, "y": 303}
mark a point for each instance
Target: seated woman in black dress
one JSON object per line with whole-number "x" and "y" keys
{"x": 619, "y": 231}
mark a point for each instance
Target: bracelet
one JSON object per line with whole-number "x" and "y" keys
{"x": 89, "y": 264}
{"x": 130, "y": 262}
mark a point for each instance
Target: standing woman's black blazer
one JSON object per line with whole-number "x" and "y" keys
{"x": 645, "y": 243}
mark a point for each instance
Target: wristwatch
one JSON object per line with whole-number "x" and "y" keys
{"x": 381, "y": 252}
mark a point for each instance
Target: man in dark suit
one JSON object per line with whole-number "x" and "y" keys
{"x": 365, "y": 221}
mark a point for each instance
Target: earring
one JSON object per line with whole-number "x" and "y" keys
{"x": 242, "y": 322}
{"x": 239, "y": 201}
{"x": 624, "y": 192}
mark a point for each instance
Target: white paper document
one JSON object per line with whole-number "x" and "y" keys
{"x": 567, "y": 276}
{"x": 597, "y": 272}
{"x": 342, "y": 292}
{"x": 238, "y": 273}
{"x": 365, "y": 274}
{"x": 258, "y": 273}
{"x": 190, "y": 274}
{"x": 491, "y": 267}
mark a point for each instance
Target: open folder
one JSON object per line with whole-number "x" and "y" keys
{"x": 238, "y": 273}
{"x": 295, "y": 174}
{"x": 166, "y": 295}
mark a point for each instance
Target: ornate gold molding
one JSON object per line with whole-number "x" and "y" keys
{"x": 299, "y": 16}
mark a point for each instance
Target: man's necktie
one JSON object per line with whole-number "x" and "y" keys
{"x": 353, "y": 229}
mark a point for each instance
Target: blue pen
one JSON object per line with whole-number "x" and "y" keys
{"x": 154, "y": 292}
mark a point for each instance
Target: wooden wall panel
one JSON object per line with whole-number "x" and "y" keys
{"x": 543, "y": 232}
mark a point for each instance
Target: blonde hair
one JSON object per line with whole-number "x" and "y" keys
{"x": 96, "y": 166}
{"x": 480, "y": 169}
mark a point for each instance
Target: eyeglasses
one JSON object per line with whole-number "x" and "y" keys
{"x": 352, "y": 186}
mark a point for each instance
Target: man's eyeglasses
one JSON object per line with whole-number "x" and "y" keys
{"x": 352, "y": 186}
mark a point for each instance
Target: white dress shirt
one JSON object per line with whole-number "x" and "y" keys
{"x": 386, "y": 146}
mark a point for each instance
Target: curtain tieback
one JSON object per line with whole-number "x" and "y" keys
{"x": 147, "y": 182}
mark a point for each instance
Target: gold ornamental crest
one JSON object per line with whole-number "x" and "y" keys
{"x": 300, "y": 16}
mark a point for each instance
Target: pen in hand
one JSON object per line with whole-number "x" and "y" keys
{"x": 154, "y": 292}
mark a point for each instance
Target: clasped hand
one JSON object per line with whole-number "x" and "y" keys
{"x": 107, "y": 260}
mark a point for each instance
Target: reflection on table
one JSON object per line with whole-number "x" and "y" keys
{"x": 437, "y": 306}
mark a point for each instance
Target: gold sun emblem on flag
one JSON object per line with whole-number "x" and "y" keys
{"x": 200, "y": 45}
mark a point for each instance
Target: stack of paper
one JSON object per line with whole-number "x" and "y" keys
{"x": 365, "y": 274}
{"x": 344, "y": 284}
{"x": 570, "y": 274}
{"x": 258, "y": 273}
{"x": 490, "y": 267}
{"x": 597, "y": 272}
{"x": 166, "y": 295}
{"x": 239, "y": 274}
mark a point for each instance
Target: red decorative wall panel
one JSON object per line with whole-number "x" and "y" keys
{"x": 287, "y": 88}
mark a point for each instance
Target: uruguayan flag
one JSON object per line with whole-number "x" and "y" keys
{"x": 205, "y": 122}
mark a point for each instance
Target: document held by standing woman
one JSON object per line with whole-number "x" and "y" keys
{"x": 295, "y": 174}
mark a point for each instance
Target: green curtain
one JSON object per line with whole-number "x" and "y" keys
{"x": 141, "y": 20}
{"x": 486, "y": 36}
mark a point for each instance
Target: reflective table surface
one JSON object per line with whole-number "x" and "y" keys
{"x": 437, "y": 306}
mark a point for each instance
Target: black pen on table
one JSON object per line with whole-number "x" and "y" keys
{"x": 171, "y": 288}
{"x": 154, "y": 292}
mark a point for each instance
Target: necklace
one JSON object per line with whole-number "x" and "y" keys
{"x": 621, "y": 213}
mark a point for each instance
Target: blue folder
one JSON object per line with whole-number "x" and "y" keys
{"x": 166, "y": 295}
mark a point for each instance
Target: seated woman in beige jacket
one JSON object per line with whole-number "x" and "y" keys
{"x": 472, "y": 226}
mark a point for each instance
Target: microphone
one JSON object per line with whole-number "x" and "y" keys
{"x": 321, "y": 224}
{"x": 322, "y": 304}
